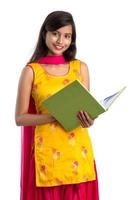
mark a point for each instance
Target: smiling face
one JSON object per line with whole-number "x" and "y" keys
{"x": 59, "y": 41}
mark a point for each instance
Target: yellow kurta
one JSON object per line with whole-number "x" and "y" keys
{"x": 60, "y": 157}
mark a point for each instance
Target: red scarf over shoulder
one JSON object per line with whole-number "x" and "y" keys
{"x": 27, "y": 133}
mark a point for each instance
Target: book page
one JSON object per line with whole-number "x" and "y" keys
{"x": 106, "y": 103}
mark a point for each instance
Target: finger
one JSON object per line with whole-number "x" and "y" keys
{"x": 83, "y": 119}
{"x": 88, "y": 118}
{"x": 80, "y": 119}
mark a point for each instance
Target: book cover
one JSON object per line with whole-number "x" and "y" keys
{"x": 66, "y": 103}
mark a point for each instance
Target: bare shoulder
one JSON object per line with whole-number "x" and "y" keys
{"x": 84, "y": 67}
{"x": 24, "y": 90}
{"x": 27, "y": 73}
{"x": 83, "y": 64}
{"x": 27, "y": 70}
{"x": 85, "y": 74}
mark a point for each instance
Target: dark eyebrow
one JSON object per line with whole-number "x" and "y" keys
{"x": 68, "y": 33}
{"x": 65, "y": 33}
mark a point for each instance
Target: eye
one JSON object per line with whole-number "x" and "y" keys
{"x": 55, "y": 33}
{"x": 68, "y": 36}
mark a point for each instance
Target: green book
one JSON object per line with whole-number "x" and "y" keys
{"x": 67, "y": 102}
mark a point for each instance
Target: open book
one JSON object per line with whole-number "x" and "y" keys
{"x": 67, "y": 102}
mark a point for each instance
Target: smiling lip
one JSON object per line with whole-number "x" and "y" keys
{"x": 57, "y": 47}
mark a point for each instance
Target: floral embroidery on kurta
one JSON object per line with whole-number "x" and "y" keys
{"x": 71, "y": 138}
{"x": 83, "y": 151}
{"x": 56, "y": 154}
{"x": 66, "y": 81}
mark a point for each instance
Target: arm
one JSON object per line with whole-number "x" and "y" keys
{"x": 84, "y": 118}
{"x": 22, "y": 117}
{"x": 85, "y": 75}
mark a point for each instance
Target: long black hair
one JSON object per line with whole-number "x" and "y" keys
{"x": 54, "y": 21}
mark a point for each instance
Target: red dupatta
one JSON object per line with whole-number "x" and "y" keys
{"x": 27, "y": 133}
{"x": 27, "y": 142}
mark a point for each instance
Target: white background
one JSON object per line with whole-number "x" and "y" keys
{"x": 105, "y": 40}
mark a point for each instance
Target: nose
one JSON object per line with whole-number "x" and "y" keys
{"x": 60, "y": 39}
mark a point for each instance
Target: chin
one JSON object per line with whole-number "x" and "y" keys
{"x": 57, "y": 53}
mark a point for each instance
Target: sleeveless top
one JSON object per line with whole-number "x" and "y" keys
{"x": 60, "y": 157}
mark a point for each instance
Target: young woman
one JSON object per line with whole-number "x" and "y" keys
{"x": 55, "y": 165}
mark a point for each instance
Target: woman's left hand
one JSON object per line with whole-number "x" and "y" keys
{"x": 85, "y": 120}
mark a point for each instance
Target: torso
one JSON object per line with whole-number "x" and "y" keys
{"x": 60, "y": 157}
